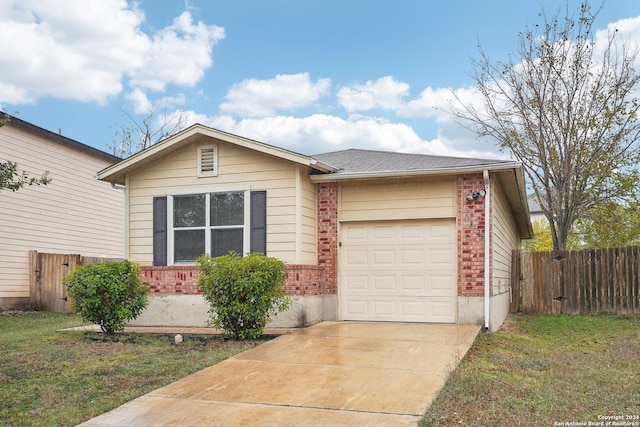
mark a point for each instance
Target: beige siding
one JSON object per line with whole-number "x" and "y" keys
{"x": 309, "y": 221}
{"x": 504, "y": 239}
{"x": 238, "y": 169}
{"x": 400, "y": 199}
{"x": 74, "y": 214}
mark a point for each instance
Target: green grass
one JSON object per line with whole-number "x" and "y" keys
{"x": 63, "y": 378}
{"x": 538, "y": 370}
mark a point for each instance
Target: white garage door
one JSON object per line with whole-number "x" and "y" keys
{"x": 399, "y": 271}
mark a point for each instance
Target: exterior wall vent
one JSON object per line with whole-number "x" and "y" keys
{"x": 208, "y": 160}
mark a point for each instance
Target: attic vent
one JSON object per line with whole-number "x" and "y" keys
{"x": 208, "y": 160}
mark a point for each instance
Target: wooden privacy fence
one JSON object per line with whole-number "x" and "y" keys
{"x": 47, "y": 293}
{"x": 577, "y": 282}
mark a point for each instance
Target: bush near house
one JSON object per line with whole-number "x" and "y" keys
{"x": 109, "y": 294}
{"x": 243, "y": 292}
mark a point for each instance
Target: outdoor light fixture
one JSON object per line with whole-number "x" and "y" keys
{"x": 476, "y": 194}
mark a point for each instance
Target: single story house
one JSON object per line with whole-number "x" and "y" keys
{"x": 74, "y": 214}
{"x": 366, "y": 235}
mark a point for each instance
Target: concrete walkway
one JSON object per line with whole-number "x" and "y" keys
{"x": 333, "y": 373}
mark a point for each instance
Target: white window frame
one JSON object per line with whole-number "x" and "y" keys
{"x": 246, "y": 232}
{"x": 203, "y": 174}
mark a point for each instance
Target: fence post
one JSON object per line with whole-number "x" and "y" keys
{"x": 34, "y": 278}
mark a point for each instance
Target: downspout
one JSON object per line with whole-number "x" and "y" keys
{"x": 487, "y": 247}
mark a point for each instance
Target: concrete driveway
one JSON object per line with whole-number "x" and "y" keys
{"x": 333, "y": 373}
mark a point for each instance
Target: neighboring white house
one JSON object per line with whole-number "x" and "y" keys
{"x": 75, "y": 213}
{"x": 534, "y": 209}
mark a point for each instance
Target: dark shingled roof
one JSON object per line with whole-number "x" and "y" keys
{"x": 368, "y": 161}
{"x": 52, "y": 136}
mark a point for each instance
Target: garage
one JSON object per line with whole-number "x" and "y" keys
{"x": 399, "y": 271}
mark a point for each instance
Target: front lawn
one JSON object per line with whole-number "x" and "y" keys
{"x": 63, "y": 378}
{"x": 547, "y": 370}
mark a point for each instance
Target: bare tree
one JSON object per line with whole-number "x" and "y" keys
{"x": 566, "y": 107}
{"x": 140, "y": 134}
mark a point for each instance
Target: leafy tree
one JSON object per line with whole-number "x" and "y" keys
{"x": 13, "y": 180}
{"x": 108, "y": 294}
{"x": 565, "y": 107}
{"x": 141, "y": 134}
{"x": 542, "y": 240}
{"x": 541, "y": 237}
{"x": 611, "y": 224}
{"x": 243, "y": 292}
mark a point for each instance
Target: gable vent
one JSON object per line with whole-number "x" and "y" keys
{"x": 207, "y": 160}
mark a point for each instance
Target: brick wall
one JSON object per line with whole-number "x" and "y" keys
{"x": 304, "y": 280}
{"x": 471, "y": 231}
{"x": 174, "y": 279}
{"x": 328, "y": 237}
{"x": 183, "y": 279}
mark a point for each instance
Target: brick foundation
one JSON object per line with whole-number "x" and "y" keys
{"x": 471, "y": 231}
{"x": 183, "y": 279}
{"x": 174, "y": 279}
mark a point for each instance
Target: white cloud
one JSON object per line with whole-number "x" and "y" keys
{"x": 140, "y": 101}
{"x": 320, "y": 133}
{"x": 84, "y": 49}
{"x": 286, "y": 92}
{"x": 384, "y": 93}
{"x": 179, "y": 54}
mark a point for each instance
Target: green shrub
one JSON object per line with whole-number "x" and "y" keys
{"x": 243, "y": 292}
{"x": 108, "y": 294}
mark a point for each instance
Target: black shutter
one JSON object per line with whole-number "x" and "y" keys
{"x": 259, "y": 222}
{"x": 159, "y": 231}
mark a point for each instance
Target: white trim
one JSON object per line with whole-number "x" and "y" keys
{"x": 170, "y": 230}
{"x": 246, "y": 235}
{"x": 487, "y": 248}
{"x": 127, "y": 216}
{"x": 298, "y": 215}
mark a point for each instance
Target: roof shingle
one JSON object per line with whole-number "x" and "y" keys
{"x": 354, "y": 161}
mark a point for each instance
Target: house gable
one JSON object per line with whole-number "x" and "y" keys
{"x": 116, "y": 173}
{"x": 290, "y": 200}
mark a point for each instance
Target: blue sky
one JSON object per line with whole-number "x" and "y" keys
{"x": 310, "y": 76}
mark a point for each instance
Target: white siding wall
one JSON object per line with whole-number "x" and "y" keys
{"x": 504, "y": 239}
{"x": 75, "y": 213}
{"x": 397, "y": 200}
{"x": 238, "y": 169}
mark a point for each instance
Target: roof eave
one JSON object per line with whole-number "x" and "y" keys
{"x": 413, "y": 172}
{"x": 523, "y": 218}
{"x": 59, "y": 138}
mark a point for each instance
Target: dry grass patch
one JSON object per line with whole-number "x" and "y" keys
{"x": 539, "y": 370}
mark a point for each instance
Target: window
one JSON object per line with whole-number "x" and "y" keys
{"x": 208, "y": 160}
{"x": 212, "y": 223}
{"x": 187, "y": 226}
